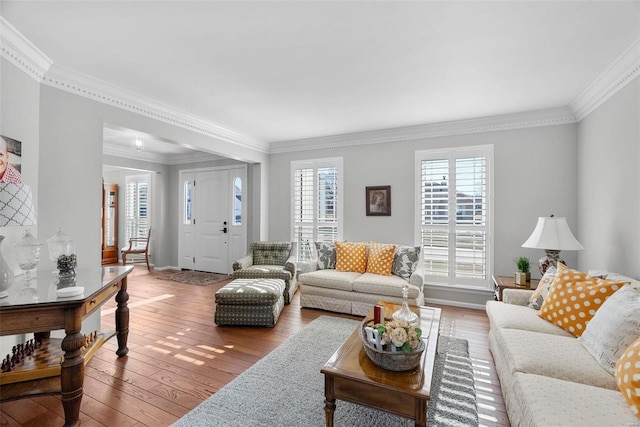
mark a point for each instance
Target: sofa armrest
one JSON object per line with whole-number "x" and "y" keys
{"x": 516, "y": 296}
{"x": 417, "y": 277}
{"x": 307, "y": 266}
{"x": 244, "y": 262}
{"x": 290, "y": 265}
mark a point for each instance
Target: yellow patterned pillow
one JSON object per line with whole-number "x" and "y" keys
{"x": 574, "y": 298}
{"x": 351, "y": 257}
{"x": 380, "y": 260}
{"x": 628, "y": 376}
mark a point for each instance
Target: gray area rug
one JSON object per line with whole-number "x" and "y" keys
{"x": 200, "y": 278}
{"x": 286, "y": 387}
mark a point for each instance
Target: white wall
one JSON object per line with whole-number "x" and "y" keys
{"x": 609, "y": 184}
{"x": 71, "y": 135}
{"x": 19, "y": 119}
{"x": 535, "y": 175}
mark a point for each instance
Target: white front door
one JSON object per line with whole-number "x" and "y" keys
{"x": 212, "y": 229}
{"x": 211, "y": 215}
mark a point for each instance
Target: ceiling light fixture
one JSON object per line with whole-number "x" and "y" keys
{"x": 138, "y": 145}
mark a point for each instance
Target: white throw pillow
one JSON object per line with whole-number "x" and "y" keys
{"x": 614, "y": 327}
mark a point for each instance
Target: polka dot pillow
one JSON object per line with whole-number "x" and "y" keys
{"x": 351, "y": 257}
{"x": 628, "y": 376}
{"x": 380, "y": 260}
{"x": 574, "y": 298}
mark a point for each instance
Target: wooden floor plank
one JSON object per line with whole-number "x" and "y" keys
{"x": 178, "y": 357}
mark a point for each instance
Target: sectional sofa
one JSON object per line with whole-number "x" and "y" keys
{"x": 548, "y": 376}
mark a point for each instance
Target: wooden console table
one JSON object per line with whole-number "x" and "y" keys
{"x": 58, "y": 366}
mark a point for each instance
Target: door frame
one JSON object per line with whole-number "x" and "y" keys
{"x": 237, "y": 235}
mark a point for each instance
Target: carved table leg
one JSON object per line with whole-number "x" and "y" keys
{"x": 72, "y": 369}
{"x": 329, "y": 401}
{"x": 122, "y": 319}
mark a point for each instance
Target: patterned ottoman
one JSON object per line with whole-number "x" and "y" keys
{"x": 252, "y": 302}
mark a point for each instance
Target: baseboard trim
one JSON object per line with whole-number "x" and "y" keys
{"x": 167, "y": 267}
{"x": 454, "y": 303}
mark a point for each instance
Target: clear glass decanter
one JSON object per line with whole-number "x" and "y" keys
{"x": 404, "y": 313}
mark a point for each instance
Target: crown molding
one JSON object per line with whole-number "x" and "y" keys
{"x": 549, "y": 117}
{"x": 21, "y": 52}
{"x": 89, "y": 87}
{"x": 146, "y": 156}
{"x": 615, "y": 77}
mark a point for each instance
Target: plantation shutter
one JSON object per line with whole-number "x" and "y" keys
{"x": 137, "y": 206}
{"x": 454, "y": 215}
{"x": 316, "y": 204}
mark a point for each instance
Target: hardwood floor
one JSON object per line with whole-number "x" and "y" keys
{"x": 178, "y": 357}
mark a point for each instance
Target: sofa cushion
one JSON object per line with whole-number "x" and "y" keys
{"x": 614, "y": 327}
{"x": 369, "y": 283}
{"x": 552, "y": 356}
{"x": 510, "y": 316}
{"x": 351, "y": 256}
{"x": 628, "y": 376}
{"x": 545, "y": 401}
{"x": 405, "y": 260}
{"x": 332, "y": 279}
{"x": 270, "y": 253}
{"x": 380, "y": 258}
{"x": 326, "y": 255}
{"x": 574, "y": 298}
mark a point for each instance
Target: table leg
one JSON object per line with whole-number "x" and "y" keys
{"x": 122, "y": 319}
{"x": 329, "y": 400}
{"x": 421, "y": 413}
{"x": 72, "y": 369}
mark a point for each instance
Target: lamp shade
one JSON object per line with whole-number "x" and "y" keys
{"x": 552, "y": 233}
{"x": 16, "y": 205}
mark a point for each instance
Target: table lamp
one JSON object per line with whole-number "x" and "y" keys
{"x": 553, "y": 235}
{"x": 16, "y": 209}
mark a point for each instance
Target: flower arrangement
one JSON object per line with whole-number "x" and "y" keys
{"x": 398, "y": 335}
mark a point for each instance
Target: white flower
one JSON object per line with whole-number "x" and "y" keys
{"x": 398, "y": 337}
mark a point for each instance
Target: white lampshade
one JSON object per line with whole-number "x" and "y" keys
{"x": 16, "y": 205}
{"x": 552, "y": 233}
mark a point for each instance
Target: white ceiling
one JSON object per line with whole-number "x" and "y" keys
{"x": 280, "y": 71}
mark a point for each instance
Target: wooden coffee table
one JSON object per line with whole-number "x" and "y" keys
{"x": 350, "y": 375}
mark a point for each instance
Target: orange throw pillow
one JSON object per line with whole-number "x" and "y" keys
{"x": 628, "y": 376}
{"x": 351, "y": 257}
{"x": 380, "y": 260}
{"x": 574, "y": 298}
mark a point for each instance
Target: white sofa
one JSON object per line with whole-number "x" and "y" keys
{"x": 548, "y": 378}
{"x": 355, "y": 293}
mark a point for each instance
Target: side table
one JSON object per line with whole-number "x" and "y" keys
{"x": 509, "y": 282}
{"x": 58, "y": 367}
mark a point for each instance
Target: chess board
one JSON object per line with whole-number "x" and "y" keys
{"x": 46, "y": 360}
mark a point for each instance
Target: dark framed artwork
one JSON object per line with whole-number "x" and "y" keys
{"x": 378, "y": 200}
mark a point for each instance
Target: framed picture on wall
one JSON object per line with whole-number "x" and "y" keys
{"x": 10, "y": 160}
{"x": 378, "y": 200}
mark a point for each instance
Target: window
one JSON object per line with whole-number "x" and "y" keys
{"x": 237, "y": 201}
{"x": 187, "y": 205}
{"x": 454, "y": 214}
{"x": 137, "y": 215}
{"x": 317, "y": 203}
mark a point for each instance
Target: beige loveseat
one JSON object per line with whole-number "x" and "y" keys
{"x": 548, "y": 378}
{"x": 356, "y": 293}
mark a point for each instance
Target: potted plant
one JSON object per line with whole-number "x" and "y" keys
{"x": 523, "y": 276}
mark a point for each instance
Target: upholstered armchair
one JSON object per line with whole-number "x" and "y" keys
{"x": 269, "y": 260}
